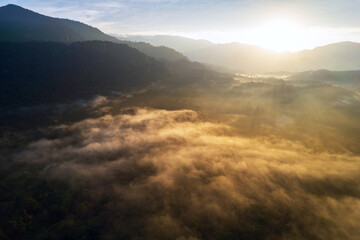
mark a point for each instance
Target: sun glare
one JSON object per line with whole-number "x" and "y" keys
{"x": 279, "y": 35}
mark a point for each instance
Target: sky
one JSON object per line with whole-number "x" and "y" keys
{"x": 276, "y": 24}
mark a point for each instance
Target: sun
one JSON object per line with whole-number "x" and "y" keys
{"x": 278, "y": 34}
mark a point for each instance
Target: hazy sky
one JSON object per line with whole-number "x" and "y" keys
{"x": 277, "y": 24}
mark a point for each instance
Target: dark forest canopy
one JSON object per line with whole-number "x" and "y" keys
{"x": 39, "y": 72}
{"x": 43, "y": 72}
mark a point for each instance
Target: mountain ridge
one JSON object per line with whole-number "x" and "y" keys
{"x": 255, "y": 59}
{"x": 34, "y": 73}
{"x": 21, "y": 25}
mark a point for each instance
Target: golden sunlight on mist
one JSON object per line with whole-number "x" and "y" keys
{"x": 189, "y": 179}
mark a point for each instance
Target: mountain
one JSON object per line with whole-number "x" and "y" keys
{"x": 19, "y": 24}
{"x": 22, "y": 25}
{"x": 35, "y": 73}
{"x": 346, "y": 79}
{"x": 341, "y": 56}
{"x": 236, "y": 56}
{"x": 160, "y": 52}
{"x": 50, "y": 60}
{"x": 42, "y": 72}
{"x": 181, "y": 44}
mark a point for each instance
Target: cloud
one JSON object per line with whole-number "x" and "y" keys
{"x": 169, "y": 175}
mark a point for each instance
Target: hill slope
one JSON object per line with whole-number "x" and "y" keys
{"x": 37, "y": 72}
{"x": 19, "y": 24}
{"x": 181, "y": 44}
{"x": 341, "y": 56}
{"x": 347, "y": 79}
{"x": 22, "y": 25}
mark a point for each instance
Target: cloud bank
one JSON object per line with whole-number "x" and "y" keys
{"x": 169, "y": 175}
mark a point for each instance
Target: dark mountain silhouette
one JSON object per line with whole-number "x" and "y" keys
{"x": 19, "y": 24}
{"x": 22, "y": 25}
{"x": 42, "y": 72}
{"x": 34, "y": 73}
{"x": 160, "y": 52}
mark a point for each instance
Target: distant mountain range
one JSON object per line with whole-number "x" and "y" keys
{"x": 347, "y": 79}
{"x": 22, "y": 25}
{"x": 240, "y": 57}
{"x": 48, "y": 60}
{"x": 181, "y": 44}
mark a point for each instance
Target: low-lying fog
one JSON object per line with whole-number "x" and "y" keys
{"x": 246, "y": 160}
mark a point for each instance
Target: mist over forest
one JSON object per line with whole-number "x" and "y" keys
{"x": 102, "y": 138}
